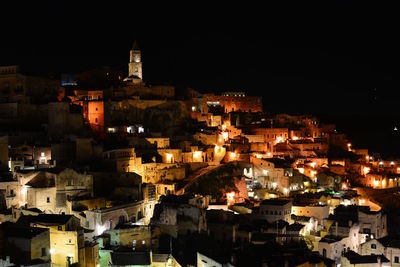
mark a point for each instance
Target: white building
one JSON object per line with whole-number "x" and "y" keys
{"x": 353, "y": 259}
{"x": 275, "y": 209}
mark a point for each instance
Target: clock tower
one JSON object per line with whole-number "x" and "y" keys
{"x": 135, "y": 65}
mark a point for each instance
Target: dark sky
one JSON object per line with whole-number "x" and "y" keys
{"x": 338, "y": 60}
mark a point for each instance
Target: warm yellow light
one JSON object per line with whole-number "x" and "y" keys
{"x": 366, "y": 170}
{"x": 233, "y": 155}
{"x": 265, "y": 172}
{"x": 313, "y": 164}
{"x": 381, "y": 163}
{"x": 193, "y": 108}
{"x": 294, "y": 138}
{"x": 257, "y": 155}
{"x": 301, "y": 170}
{"x": 223, "y": 127}
{"x": 230, "y": 198}
{"x": 197, "y": 155}
{"x": 279, "y": 139}
{"x": 225, "y": 135}
{"x": 217, "y": 148}
{"x": 169, "y": 157}
{"x": 274, "y": 184}
{"x": 230, "y": 195}
{"x": 392, "y": 163}
{"x": 285, "y": 191}
{"x": 376, "y": 183}
{"x": 344, "y": 186}
{"x": 23, "y": 190}
{"x": 269, "y": 154}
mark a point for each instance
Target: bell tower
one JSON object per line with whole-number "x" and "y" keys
{"x": 135, "y": 63}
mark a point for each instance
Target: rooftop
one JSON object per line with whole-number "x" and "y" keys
{"x": 130, "y": 258}
{"x": 331, "y": 239}
{"x": 16, "y": 230}
{"x": 46, "y": 219}
{"x": 275, "y": 202}
{"x": 355, "y": 258}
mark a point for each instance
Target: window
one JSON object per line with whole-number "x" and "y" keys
{"x": 48, "y": 199}
{"x": 59, "y": 228}
{"x": 396, "y": 259}
{"x": 373, "y": 246}
{"x": 43, "y": 252}
{"x": 11, "y": 192}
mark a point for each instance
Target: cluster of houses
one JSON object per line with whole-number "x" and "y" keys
{"x": 128, "y": 174}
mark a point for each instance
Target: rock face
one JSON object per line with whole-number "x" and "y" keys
{"x": 156, "y": 115}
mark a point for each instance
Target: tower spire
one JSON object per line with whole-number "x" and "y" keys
{"x": 135, "y": 45}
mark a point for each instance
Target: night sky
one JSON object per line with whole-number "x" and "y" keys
{"x": 339, "y": 61}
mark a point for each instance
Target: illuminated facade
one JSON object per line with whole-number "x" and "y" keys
{"x": 96, "y": 115}
{"x": 135, "y": 65}
{"x": 232, "y": 102}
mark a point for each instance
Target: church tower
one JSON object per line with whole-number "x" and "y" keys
{"x": 135, "y": 63}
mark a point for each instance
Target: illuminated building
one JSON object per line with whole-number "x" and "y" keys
{"x": 233, "y": 102}
{"x": 135, "y": 65}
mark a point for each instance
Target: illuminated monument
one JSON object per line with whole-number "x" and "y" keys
{"x": 135, "y": 75}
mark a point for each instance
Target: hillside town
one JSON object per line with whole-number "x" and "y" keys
{"x": 101, "y": 168}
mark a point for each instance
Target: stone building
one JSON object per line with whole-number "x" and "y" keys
{"x": 25, "y": 245}
{"x": 66, "y": 237}
{"x": 174, "y": 216}
{"x": 274, "y": 210}
{"x": 233, "y": 101}
{"x": 104, "y": 219}
{"x": 18, "y": 87}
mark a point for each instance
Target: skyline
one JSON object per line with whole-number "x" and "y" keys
{"x": 332, "y": 67}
